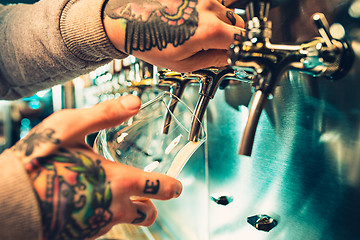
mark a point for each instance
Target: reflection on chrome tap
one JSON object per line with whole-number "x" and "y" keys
{"x": 323, "y": 56}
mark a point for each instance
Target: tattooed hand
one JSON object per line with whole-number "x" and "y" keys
{"x": 183, "y": 35}
{"x": 82, "y": 195}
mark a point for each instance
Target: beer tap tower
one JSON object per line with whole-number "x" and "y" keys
{"x": 323, "y": 56}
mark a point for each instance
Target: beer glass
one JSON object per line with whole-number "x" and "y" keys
{"x": 148, "y": 142}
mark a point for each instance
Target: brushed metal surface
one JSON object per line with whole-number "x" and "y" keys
{"x": 305, "y": 167}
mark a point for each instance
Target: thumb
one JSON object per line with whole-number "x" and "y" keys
{"x": 68, "y": 127}
{"x": 112, "y": 112}
{"x": 75, "y": 124}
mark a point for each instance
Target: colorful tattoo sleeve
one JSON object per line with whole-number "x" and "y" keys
{"x": 76, "y": 199}
{"x": 149, "y": 23}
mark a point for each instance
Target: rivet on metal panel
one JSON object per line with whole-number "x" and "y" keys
{"x": 262, "y": 222}
{"x": 222, "y": 199}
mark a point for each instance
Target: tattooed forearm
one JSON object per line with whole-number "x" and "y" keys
{"x": 151, "y": 187}
{"x": 76, "y": 199}
{"x": 39, "y": 135}
{"x": 150, "y": 24}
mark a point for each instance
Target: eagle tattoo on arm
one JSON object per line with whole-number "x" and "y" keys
{"x": 152, "y": 23}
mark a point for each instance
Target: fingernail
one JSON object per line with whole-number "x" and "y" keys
{"x": 179, "y": 190}
{"x": 131, "y": 102}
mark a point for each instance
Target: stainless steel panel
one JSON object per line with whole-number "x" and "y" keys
{"x": 305, "y": 168}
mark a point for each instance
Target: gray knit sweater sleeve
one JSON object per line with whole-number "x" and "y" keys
{"x": 50, "y": 42}
{"x": 42, "y": 45}
{"x": 19, "y": 210}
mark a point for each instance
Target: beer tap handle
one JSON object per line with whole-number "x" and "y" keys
{"x": 323, "y": 27}
{"x": 339, "y": 55}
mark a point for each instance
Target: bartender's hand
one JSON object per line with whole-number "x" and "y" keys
{"x": 182, "y": 35}
{"x": 81, "y": 194}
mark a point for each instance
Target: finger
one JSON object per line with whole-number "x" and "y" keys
{"x": 219, "y": 36}
{"x": 145, "y": 214}
{"x": 129, "y": 181}
{"x": 68, "y": 128}
{"x": 135, "y": 212}
{"x": 199, "y": 60}
{"x": 113, "y": 112}
{"x": 228, "y": 16}
{"x": 227, "y": 2}
{"x": 74, "y": 124}
{"x": 203, "y": 59}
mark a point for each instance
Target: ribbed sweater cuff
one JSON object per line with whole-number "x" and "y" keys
{"x": 19, "y": 211}
{"x": 83, "y": 32}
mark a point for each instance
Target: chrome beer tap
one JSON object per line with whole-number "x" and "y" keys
{"x": 177, "y": 82}
{"x": 210, "y": 80}
{"x": 322, "y": 56}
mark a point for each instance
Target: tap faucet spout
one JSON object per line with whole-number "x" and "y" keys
{"x": 209, "y": 83}
{"x": 263, "y": 79}
{"x": 257, "y": 104}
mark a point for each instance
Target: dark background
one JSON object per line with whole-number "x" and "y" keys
{"x": 16, "y": 1}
